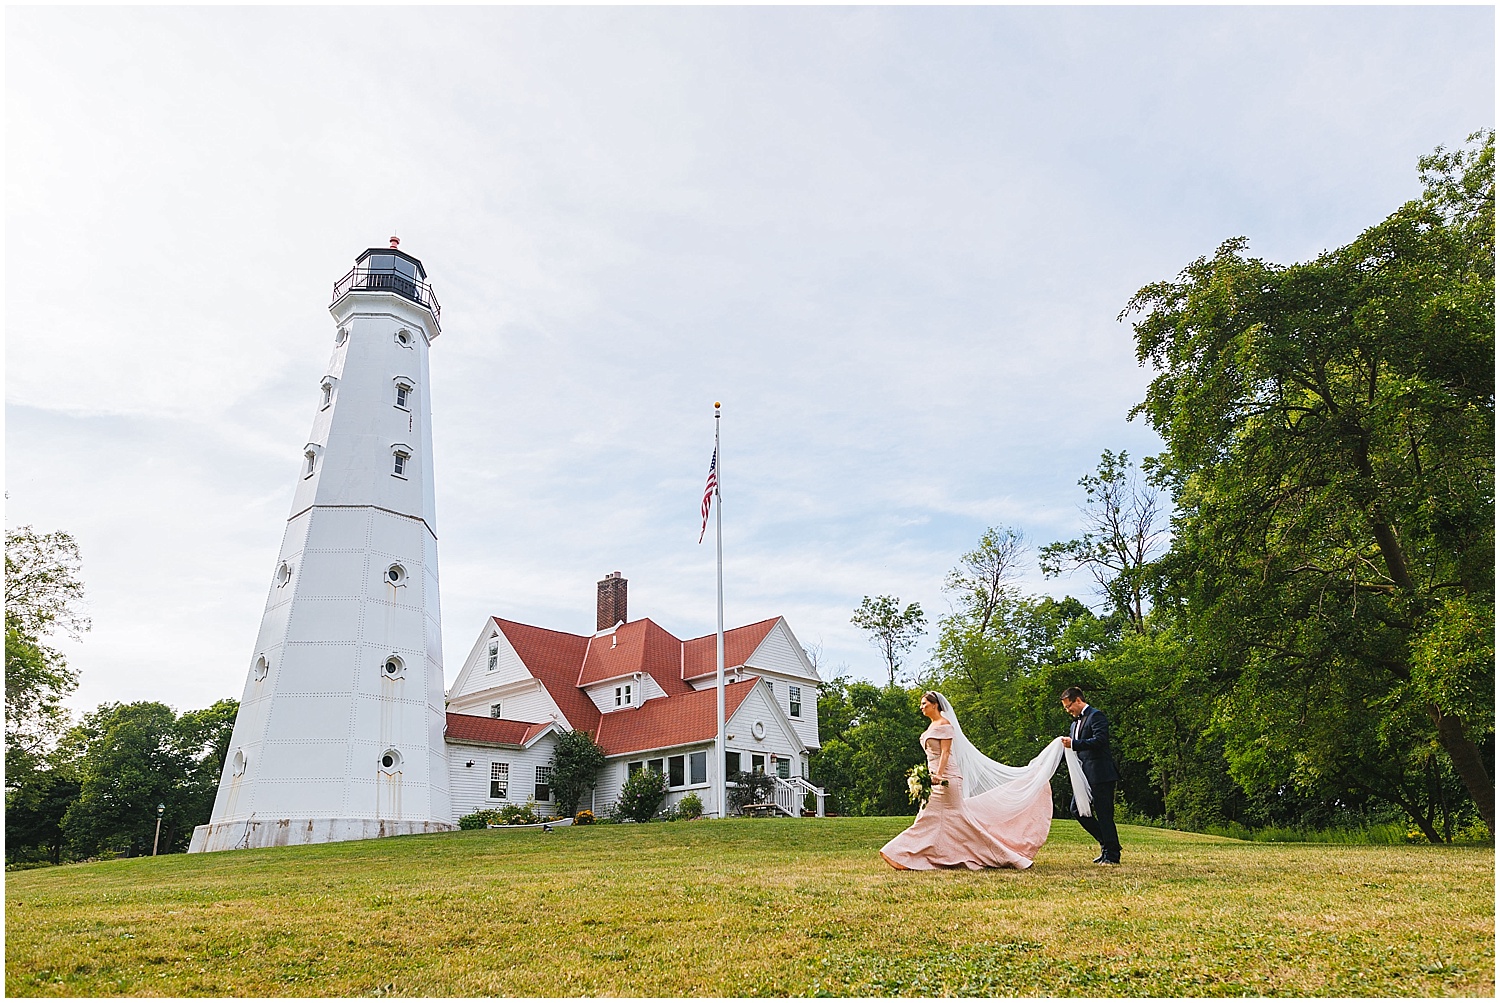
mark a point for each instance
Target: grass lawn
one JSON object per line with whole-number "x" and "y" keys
{"x": 756, "y": 907}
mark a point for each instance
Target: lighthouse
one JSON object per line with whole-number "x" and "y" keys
{"x": 340, "y": 727}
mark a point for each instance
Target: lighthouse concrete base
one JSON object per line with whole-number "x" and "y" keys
{"x": 246, "y": 835}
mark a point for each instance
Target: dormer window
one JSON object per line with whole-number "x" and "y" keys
{"x": 622, "y": 695}
{"x": 403, "y": 395}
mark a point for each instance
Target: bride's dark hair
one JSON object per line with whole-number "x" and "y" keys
{"x": 931, "y": 696}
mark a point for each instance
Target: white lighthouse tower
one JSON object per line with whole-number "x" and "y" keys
{"x": 340, "y": 729}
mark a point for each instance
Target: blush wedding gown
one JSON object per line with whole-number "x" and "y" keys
{"x": 1001, "y": 821}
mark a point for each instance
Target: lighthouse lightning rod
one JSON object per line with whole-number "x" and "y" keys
{"x": 719, "y": 543}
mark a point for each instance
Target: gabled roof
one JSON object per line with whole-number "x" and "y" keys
{"x": 700, "y": 656}
{"x": 554, "y": 657}
{"x": 637, "y": 646}
{"x": 682, "y": 719}
{"x": 493, "y": 730}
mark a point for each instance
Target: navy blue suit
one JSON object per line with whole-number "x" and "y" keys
{"x": 1090, "y": 735}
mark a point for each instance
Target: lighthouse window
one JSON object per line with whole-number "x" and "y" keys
{"x": 398, "y": 467}
{"x": 262, "y": 667}
{"x": 394, "y": 667}
{"x": 395, "y": 574}
{"x": 403, "y": 393}
{"x": 403, "y": 338}
{"x": 327, "y": 393}
{"x": 240, "y": 761}
{"x": 341, "y": 337}
{"x": 283, "y": 574}
{"x": 390, "y": 759}
{"x": 312, "y": 463}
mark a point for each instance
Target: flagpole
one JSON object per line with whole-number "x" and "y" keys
{"x": 719, "y": 535}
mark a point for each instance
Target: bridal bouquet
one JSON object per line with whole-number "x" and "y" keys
{"x": 919, "y": 783}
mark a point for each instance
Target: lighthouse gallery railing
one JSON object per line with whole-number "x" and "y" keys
{"x": 389, "y": 280}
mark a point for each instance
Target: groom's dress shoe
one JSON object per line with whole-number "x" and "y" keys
{"x": 1099, "y": 859}
{"x": 1107, "y": 863}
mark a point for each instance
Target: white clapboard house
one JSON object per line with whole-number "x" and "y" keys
{"x": 648, "y": 699}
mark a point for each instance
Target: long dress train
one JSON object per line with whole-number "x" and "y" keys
{"x": 977, "y": 832}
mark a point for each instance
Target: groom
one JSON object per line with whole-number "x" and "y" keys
{"x": 1089, "y": 737}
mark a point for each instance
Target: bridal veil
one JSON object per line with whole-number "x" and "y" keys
{"x": 1012, "y": 787}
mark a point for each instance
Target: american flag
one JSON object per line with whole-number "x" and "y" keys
{"x": 709, "y": 490}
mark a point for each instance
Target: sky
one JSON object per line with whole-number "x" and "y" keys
{"x": 893, "y": 241}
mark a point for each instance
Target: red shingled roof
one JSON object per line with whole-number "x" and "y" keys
{"x": 554, "y": 657}
{"x": 494, "y": 730}
{"x": 638, "y": 646}
{"x": 700, "y": 656}
{"x": 676, "y": 720}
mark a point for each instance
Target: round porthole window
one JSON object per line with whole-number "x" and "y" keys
{"x": 395, "y": 574}
{"x": 390, "y": 759}
{"x": 403, "y": 338}
{"x": 283, "y": 574}
{"x": 239, "y": 762}
{"x": 394, "y": 667}
{"x": 341, "y": 337}
{"x": 758, "y": 730}
{"x": 262, "y": 667}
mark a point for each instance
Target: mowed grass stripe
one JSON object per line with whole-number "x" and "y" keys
{"x": 756, "y": 908}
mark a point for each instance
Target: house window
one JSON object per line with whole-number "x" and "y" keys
{"x": 770, "y": 686}
{"x": 403, "y": 391}
{"x": 794, "y": 698}
{"x": 676, "y": 772}
{"x": 499, "y": 779}
{"x": 731, "y": 763}
{"x": 495, "y": 709}
{"x": 544, "y": 783}
{"x": 654, "y": 765}
{"x": 634, "y": 768}
{"x": 757, "y": 764}
{"x": 494, "y": 656}
{"x": 622, "y": 697}
{"x": 784, "y": 768}
{"x": 398, "y": 467}
{"x": 698, "y": 768}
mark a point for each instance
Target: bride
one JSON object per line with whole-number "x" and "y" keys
{"x": 987, "y": 814}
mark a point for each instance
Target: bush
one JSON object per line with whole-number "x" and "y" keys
{"x": 479, "y": 819}
{"x": 690, "y": 807}
{"x": 752, "y": 788}
{"x": 642, "y": 795}
{"x": 584, "y": 817}
{"x": 510, "y": 814}
{"x": 575, "y": 766}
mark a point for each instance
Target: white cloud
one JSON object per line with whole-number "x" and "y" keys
{"x": 893, "y": 241}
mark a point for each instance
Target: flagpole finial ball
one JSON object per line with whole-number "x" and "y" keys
{"x": 716, "y": 404}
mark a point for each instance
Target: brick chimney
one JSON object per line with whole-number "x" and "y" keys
{"x": 611, "y": 601}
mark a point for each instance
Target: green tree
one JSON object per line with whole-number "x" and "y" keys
{"x": 129, "y": 759}
{"x": 870, "y": 740}
{"x": 1330, "y": 441}
{"x": 893, "y": 630}
{"x": 34, "y": 813}
{"x": 1124, "y": 519}
{"x": 576, "y": 763}
{"x": 43, "y": 594}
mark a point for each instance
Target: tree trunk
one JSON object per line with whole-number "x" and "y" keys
{"x": 1467, "y": 761}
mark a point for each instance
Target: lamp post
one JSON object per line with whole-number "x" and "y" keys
{"x": 160, "y": 810}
